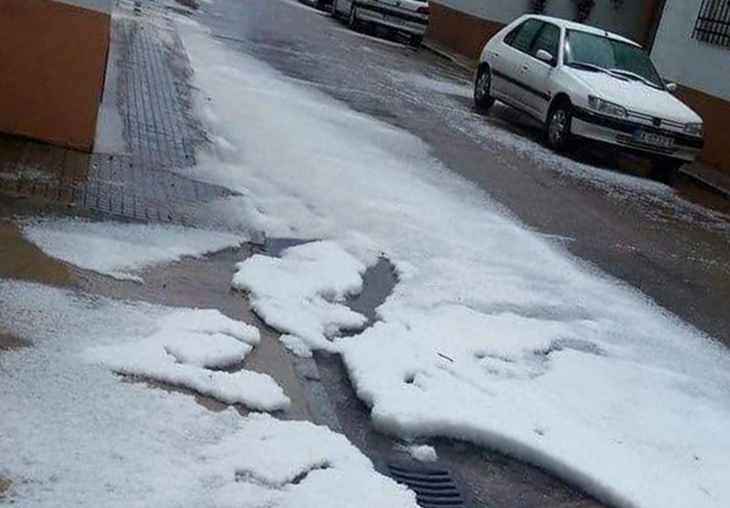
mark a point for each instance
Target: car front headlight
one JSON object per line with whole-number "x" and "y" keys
{"x": 605, "y": 107}
{"x": 693, "y": 129}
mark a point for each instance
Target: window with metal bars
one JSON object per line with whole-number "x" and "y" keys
{"x": 713, "y": 23}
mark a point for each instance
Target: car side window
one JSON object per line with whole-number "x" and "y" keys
{"x": 548, "y": 39}
{"x": 521, "y": 37}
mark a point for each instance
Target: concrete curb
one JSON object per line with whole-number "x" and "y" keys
{"x": 453, "y": 58}
{"x": 707, "y": 183}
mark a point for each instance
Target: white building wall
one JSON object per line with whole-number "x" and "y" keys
{"x": 104, "y": 6}
{"x": 624, "y": 18}
{"x": 681, "y": 58}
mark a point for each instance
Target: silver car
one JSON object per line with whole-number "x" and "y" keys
{"x": 406, "y": 16}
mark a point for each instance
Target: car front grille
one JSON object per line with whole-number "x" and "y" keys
{"x": 660, "y": 123}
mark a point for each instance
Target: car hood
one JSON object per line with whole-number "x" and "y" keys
{"x": 635, "y": 96}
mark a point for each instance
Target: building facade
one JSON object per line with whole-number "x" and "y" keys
{"x": 692, "y": 48}
{"x": 53, "y": 60}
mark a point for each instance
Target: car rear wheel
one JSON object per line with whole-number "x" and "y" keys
{"x": 665, "y": 170}
{"x": 559, "y": 126}
{"x": 482, "y": 90}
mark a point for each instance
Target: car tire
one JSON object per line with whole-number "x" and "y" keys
{"x": 352, "y": 21}
{"x": 558, "y": 128}
{"x": 665, "y": 170}
{"x": 482, "y": 89}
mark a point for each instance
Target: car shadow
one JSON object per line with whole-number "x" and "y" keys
{"x": 586, "y": 152}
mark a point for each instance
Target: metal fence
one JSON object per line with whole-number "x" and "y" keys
{"x": 713, "y": 23}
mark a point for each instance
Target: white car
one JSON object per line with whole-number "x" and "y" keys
{"x": 583, "y": 82}
{"x": 407, "y": 16}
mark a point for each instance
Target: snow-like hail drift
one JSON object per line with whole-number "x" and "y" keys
{"x": 72, "y": 433}
{"x": 120, "y": 249}
{"x": 492, "y": 334}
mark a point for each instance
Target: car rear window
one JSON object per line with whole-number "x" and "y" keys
{"x": 521, "y": 37}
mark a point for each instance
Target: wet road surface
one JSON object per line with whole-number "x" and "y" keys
{"x": 671, "y": 245}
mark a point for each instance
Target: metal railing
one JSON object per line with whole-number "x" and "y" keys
{"x": 713, "y": 23}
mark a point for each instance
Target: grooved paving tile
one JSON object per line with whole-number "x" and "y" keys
{"x": 159, "y": 126}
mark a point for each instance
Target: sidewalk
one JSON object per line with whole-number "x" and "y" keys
{"x": 147, "y": 134}
{"x": 131, "y": 173}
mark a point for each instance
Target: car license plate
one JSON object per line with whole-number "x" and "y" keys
{"x": 650, "y": 138}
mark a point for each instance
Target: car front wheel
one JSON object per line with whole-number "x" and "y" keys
{"x": 482, "y": 90}
{"x": 558, "y": 128}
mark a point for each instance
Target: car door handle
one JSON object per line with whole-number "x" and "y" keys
{"x": 525, "y": 68}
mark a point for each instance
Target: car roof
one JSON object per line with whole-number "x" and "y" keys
{"x": 572, "y": 25}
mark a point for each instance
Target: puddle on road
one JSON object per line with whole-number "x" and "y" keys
{"x": 275, "y": 247}
{"x": 378, "y": 283}
{"x": 205, "y": 283}
{"x": 20, "y": 259}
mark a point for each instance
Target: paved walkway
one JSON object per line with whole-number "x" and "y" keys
{"x": 159, "y": 133}
{"x": 151, "y": 133}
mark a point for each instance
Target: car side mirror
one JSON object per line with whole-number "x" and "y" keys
{"x": 545, "y": 56}
{"x": 672, "y": 87}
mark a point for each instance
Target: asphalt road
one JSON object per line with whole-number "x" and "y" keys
{"x": 672, "y": 245}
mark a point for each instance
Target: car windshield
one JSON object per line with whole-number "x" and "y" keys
{"x": 621, "y": 58}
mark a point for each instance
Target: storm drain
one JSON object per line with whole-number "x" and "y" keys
{"x": 433, "y": 487}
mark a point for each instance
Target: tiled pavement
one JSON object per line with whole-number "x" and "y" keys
{"x": 160, "y": 136}
{"x": 154, "y": 96}
{"x": 160, "y": 132}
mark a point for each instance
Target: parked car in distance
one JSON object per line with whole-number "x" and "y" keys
{"x": 583, "y": 82}
{"x": 322, "y": 5}
{"x": 406, "y": 16}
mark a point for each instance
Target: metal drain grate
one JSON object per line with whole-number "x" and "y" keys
{"x": 433, "y": 487}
